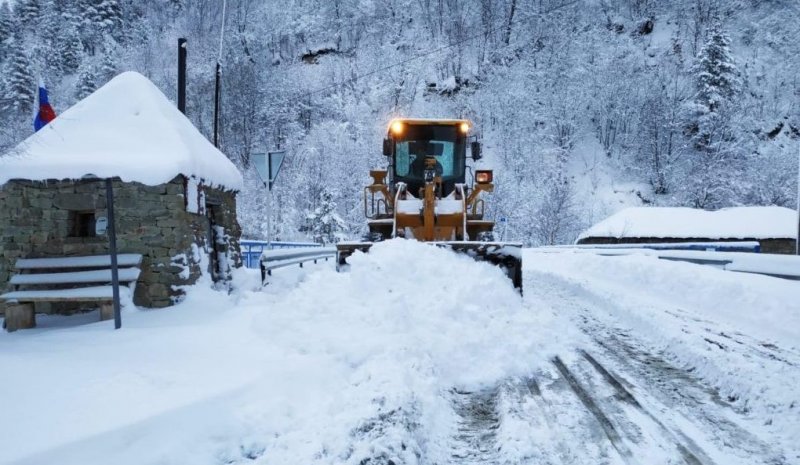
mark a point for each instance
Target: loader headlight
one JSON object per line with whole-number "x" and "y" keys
{"x": 483, "y": 176}
{"x": 397, "y": 128}
{"x": 464, "y": 127}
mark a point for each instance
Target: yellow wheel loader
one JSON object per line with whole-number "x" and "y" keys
{"x": 424, "y": 195}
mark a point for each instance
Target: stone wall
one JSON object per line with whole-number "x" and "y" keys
{"x": 150, "y": 220}
{"x": 781, "y": 246}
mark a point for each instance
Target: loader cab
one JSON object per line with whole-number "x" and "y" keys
{"x": 411, "y": 142}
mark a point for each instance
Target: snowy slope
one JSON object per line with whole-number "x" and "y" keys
{"x": 423, "y": 361}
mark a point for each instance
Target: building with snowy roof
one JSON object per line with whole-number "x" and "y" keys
{"x": 774, "y": 228}
{"x": 174, "y": 192}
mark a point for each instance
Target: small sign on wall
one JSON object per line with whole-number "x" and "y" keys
{"x": 100, "y": 226}
{"x": 195, "y": 196}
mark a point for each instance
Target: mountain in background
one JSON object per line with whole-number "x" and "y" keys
{"x": 584, "y": 107}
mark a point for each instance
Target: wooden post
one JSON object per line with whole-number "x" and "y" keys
{"x": 19, "y": 316}
{"x": 112, "y": 245}
{"x": 106, "y": 311}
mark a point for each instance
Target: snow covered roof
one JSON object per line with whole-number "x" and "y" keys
{"x": 128, "y": 129}
{"x": 683, "y": 223}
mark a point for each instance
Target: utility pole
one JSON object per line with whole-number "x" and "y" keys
{"x": 182, "y": 75}
{"x": 218, "y": 76}
{"x": 797, "y": 239}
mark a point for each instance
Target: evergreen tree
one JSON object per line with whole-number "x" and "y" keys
{"x": 109, "y": 65}
{"x": 18, "y": 81}
{"x": 7, "y": 26}
{"x": 717, "y": 81}
{"x": 324, "y": 224}
{"x": 87, "y": 81}
{"x": 69, "y": 48}
{"x": 717, "y": 77}
{"x": 109, "y": 15}
{"x": 49, "y": 32}
{"x": 68, "y": 45}
{"x": 104, "y": 16}
{"x": 28, "y": 12}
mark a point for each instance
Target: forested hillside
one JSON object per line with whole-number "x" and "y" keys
{"x": 583, "y": 106}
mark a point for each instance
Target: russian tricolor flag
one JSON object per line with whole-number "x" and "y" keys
{"x": 46, "y": 112}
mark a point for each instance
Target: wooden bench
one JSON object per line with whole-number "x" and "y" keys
{"x": 67, "y": 279}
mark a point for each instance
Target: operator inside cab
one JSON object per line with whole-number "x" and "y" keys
{"x": 414, "y": 141}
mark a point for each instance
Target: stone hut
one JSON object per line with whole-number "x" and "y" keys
{"x": 174, "y": 192}
{"x": 774, "y": 228}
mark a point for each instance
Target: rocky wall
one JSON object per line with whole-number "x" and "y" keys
{"x": 35, "y": 222}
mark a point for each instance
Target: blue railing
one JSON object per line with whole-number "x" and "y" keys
{"x": 252, "y": 250}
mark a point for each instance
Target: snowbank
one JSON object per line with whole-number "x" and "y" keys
{"x": 320, "y": 367}
{"x": 679, "y": 223}
{"x": 127, "y": 128}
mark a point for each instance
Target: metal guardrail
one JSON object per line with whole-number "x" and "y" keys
{"x": 272, "y": 259}
{"x": 252, "y": 249}
{"x": 711, "y": 246}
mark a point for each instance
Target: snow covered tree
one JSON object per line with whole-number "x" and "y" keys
{"x": 87, "y": 81}
{"x": 28, "y": 12}
{"x": 109, "y": 65}
{"x": 660, "y": 142}
{"x": 69, "y": 48}
{"x": 18, "y": 81}
{"x": 7, "y": 25}
{"x": 718, "y": 82}
{"x": 717, "y": 158}
{"x": 324, "y": 224}
{"x": 555, "y": 221}
{"x": 102, "y": 16}
{"x": 109, "y": 15}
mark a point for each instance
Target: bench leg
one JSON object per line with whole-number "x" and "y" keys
{"x": 106, "y": 311}
{"x": 19, "y": 316}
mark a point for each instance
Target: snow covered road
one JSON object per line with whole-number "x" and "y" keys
{"x": 431, "y": 360}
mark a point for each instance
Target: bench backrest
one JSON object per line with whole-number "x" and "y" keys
{"x": 93, "y": 261}
{"x": 125, "y": 275}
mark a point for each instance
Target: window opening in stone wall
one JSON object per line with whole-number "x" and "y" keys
{"x": 81, "y": 223}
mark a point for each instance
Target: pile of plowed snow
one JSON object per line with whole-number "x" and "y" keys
{"x": 405, "y": 326}
{"x": 318, "y": 367}
{"x": 417, "y": 305}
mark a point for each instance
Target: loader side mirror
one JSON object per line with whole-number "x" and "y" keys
{"x": 475, "y": 148}
{"x": 387, "y": 147}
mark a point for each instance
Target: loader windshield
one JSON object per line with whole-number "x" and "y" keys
{"x": 441, "y": 142}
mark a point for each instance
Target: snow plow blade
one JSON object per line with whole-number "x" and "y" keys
{"x": 506, "y": 255}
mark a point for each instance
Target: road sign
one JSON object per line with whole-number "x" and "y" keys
{"x": 268, "y": 165}
{"x": 275, "y": 163}
{"x": 260, "y": 162}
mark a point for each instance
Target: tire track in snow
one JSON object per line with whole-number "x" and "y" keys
{"x": 689, "y": 450}
{"x": 676, "y": 389}
{"x": 475, "y": 440}
{"x": 663, "y": 387}
{"x": 605, "y": 423}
